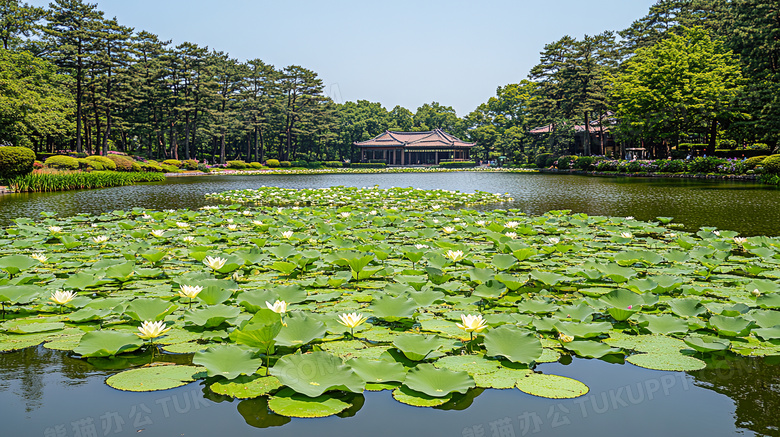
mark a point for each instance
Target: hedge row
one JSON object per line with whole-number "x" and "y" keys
{"x": 458, "y": 164}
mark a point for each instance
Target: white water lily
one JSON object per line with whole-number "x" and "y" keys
{"x": 631, "y": 217}
{"x": 373, "y": 212}
{"x": 100, "y": 239}
{"x": 55, "y": 229}
{"x": 232, "y": 227}
{"x": 146, "y": 216}
{"x": 472, "y": 323}
{"x": 454, "y": 255}
{"x": 215, "y": 263}
{"x": 182, "y": 225}
{"x": 553, "y": 240}
{"x": 150, "y": 330}
{"x": 39, "y": 257}
{"x": 158, "y": 233}
{"x": 352, "y": 321}
{"x": 287, "y": 234}
{"x": 257, "y": 223}
{"x": 61, "y": 297}
{"x": 344, "y": 214}
{"x": 626, "y": 235}
{"x": 188, "y": 239}
{"x": 756, "y": 292}
{"x": 511, "y": 225}
{"x": 565, "y": 338}
{"x": 448, "y": 229}
{"x": 511, "y": 234}
{"x": 740, "y": 240}
{"x": 421, "y": 246}
{"x": 716, "y": 233}
{"x": 190, "y": 291}
{"x": 480, "y": 223}
{"x": 247, "y": 213}
{"x": 279, "y": 306}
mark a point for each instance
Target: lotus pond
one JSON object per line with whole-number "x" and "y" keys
{"x": 384, "y": 304}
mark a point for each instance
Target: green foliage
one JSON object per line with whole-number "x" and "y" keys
{"x": 238, "y": 164}
{"x": 15, "y": 161}
{"x": 334, "y": 164}
{"x": 368, "y": 165}
{"x": 458, "y": 164}
{"x": 542, "y": 159}
{"x": 285, "y": 164}
{"x": 89, "y": 165}
{"x": 567, "y": 162}
{"x": 78, "y": 181}
{"x": 771, "y": 164}
{"x": 704, "y": 165}
{"x": 62, "y": 162}
{"x": 123, "y": 163}
{"x": 272, "y": 163}
{"x": 255, "y": 165}
{"x": 174, "y": 162}
{"x": 584, "y": 163}
{"x": 751, "y": 163}
{"x": 106, "y": 163}
{"x": 190, "y": 164}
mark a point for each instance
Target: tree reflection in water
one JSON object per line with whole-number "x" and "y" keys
{"x": 754, "y": 386}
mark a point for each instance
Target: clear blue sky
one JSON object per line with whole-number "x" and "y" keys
{"x": 398, "y": 52}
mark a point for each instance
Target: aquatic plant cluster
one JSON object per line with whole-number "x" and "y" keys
{"x": 63, "y": 181}
{"x": 300, "y": 171}
{"x": 308, "y": 306}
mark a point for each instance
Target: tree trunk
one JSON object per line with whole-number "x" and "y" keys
{"x": 222, "y": 148}
{"x": 712, "y": 139}
{"x": 586, "y": 145}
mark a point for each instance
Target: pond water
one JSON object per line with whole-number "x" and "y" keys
{"x": 749, "y": 208}
{"x": 48, "y": 393}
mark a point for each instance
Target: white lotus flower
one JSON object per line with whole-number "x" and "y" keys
{"x": 279, "y": 306}
{"x": 480, "y": 223}
{"x": 182, "y": 225}
{"x": 553, "y": 240}
{"x": 740, "y": 240}
{"x": 232, "y": 227}
{"x": 39, "y": 257}
{"x": 448, "y": 229}
{"x": 631, "y": 217}
{"x": 257, "y": 223}
{"x": 62, "y": 297}
{"x": 454, "y": 255}
{"x": 373, "y": 212}
{"x": 158, "y": 233}
{"x": 436, "y": 221}
{"x": 190, "y": 291}
{"x": 100, "y": 239}
{"x": 511, "y": 234}
{"x": 188, "y": 239}
{"x": 421, "y": 246}
{"x": 146, "y": 216}
{"x": 150, "y": 330}
{"x": 626, "y": 235}
{"x": 352, "y": 320}
{"x": 756, "y": 292}
{"x": 247, "y": 213}
{"x": 344, "y": 214}
{"x": 55, "y": 229}
{"x": 511, "y": 225}
{"x": 287, "y": 234}
{"x": 472, "y": 323}
{"x": 215, "y": 263}
{"x": 716, "y": 233}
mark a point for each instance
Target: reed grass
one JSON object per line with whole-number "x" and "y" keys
{"x": 46, "y": 182}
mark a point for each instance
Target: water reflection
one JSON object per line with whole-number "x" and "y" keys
{"x": 748, "y": 208}
{"x": 754, "y": 386}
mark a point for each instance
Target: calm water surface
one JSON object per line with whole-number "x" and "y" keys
{"x": 47, "y": 393}
{"x": 749, "y": 208}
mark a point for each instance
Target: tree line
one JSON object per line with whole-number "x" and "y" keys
{"x": 701, "y": 71}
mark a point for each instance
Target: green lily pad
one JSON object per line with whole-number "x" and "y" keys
{"x": 300, "y": 330}
{"x": 153, "y": 378}
{"x": 246, "y": 387}
{"x": 419, "y": 347}
{"x": 228, "y": 361}
{"x": 667, "y": 361}
{"x": 405, "y": 395}
{"x": 472, "y": 364}
{"x": 551, "y": 386}
{"x": 701, "y": 344}
{"x": 291, "y": 404}
{"x": 107, "y": 343}
{"x": 591, "y": 349}
{"x": 504, "y": 378}
{"x": 315, "y": 373}
{"x": 426, "y": 378}
{"x": 514, "y": 344}
{"x": 377, "y": 371}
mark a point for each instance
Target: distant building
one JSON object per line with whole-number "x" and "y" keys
{"x": 413, "y": 148}
{"x": 602, "y": 142}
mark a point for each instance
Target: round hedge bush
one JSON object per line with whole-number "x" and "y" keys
{"x": 772, "y": 164}
{"x": 122, "y": 163}
{"x": 15, "y": 161}
{"x": 273, "y": 163}
{"x": 106, "y": 163}
{"x": 190, "y": 164}
{"x": 285, "y": 163}
{"x": 541, "y": 159}
{"x": 751, "y": 163}
{"x": 174, "y": 162}
{"x": 62, "y": 162}
{"x": 238, "y": 164}
{"x": 255, "y": 164}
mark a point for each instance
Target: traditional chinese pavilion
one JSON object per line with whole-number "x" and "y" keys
{"x": 413, "y": 148}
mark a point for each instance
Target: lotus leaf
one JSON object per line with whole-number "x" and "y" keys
{"x": 709, "y": 344}
{"x": 212, "y": 316}
{"x": 514, "y": 344}
{"x": 377, "y": 371}
{"x": 246, "y": 387}
{"x": 664, "y": 324}
{"x": 228, "y": 361}
{"x": 730, "y": 326}
{"x": 314, "y": 373}
{"x": 591, "y": 349}
{"x": 393, "y": 308}
{"x": 153, "y": 378}
{"x": 675, "y": 362}
{"x": 419, "y": 347}
{"x": 427, "y": 379}
{"x": 291, "y": 404}
{"x": 107, "y": 343}
{"x": 143, "y": 309}
{"x": 551, "y": 386}
{"x": 300, "y": 330}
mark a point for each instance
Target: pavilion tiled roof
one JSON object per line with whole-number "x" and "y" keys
{"x": 434, "y": 138}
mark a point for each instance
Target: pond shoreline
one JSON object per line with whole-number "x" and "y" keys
{"x": 746, "y": 178}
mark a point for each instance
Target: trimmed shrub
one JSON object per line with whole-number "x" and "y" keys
{"x": 15, "y": 161}
{"x": 62, "y": 162}
{"x": 368, "y": 165}
{"x": 106, "y": 163}
{"x": 254, "y": 164}
{"x": 122, "y": 163}
{"x": 170, "y": 168}
{"x": 458, "y": 164}
{"x": 37, "y": 165}
{"x": 541, "y": 159}
{"x": 285, "y": 163}
{"x": 771, "y": 165}
{"x": 300, "y": 163}
{"x": 671, "y": 165}
{"x": 190, "y": 164}
{"x": 692, "y": 146}
{"x": 566, "y": 162}
{"x": 705, "y": 165}
{"x": 273, "y": 163}
{"x": 759, "y": 146}
{"x": 334, "y": 164}
{"x": 584, "y": 162}
{"x": 238, "y": 164}
{"x": 607, "y": 165}
{"x": 174, "y": 162}
{"x": 318, "y": 164}
{"x": 151, "y": 167}
{"x": 203, "y": 168}
{"x": 751, "y": 163}
{"x": 88, "y": 165}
